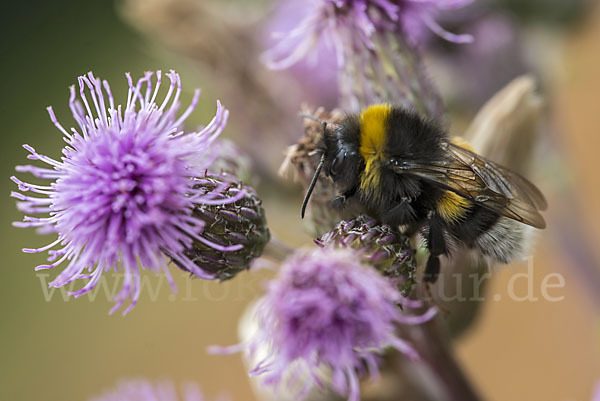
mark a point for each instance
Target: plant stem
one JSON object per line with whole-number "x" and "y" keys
{"x": 436, "y": 353}
{"x": 276, "y": 250}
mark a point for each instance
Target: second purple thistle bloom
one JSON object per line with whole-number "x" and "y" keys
{"x": 124, "y": 190}
{"x": 326, "y": 309}
{"x": 349, "y": 26}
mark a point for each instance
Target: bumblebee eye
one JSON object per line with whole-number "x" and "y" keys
{"x": 336, "y": 164}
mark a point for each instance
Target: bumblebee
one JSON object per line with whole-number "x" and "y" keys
{"x": 406, "y": 172}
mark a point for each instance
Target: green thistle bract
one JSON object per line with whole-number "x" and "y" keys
{"x": 241, "y": 222}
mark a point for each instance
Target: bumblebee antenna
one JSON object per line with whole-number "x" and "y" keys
{"x": 313, "y": 182}
{"x": 312, "y": 185}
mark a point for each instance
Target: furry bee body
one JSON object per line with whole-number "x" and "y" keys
{"x": 406, "y": 172}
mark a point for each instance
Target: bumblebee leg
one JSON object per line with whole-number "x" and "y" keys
{"x": 430, "y": 276}
{"x": 432, "y": 269}
{"x": 400, "y": 214}
{"x": 436, "y": 243}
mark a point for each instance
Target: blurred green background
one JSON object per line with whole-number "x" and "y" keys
{"x": 71, "y": 349}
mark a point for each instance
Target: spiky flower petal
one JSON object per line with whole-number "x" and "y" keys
{"x": 124, "y": 190}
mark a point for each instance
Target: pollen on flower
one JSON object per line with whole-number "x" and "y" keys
{"x": 327, "y": 310}
{"x": 123, "y": 192}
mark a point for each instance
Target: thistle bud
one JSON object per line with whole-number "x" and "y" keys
{"x": 241, "y": 222}
{"x": 385, "y": 249}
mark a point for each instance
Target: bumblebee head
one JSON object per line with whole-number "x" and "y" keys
{"x": 340, "y": 148}
{"x": 340, "y": 157}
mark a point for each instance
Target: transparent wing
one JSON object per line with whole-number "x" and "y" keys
{"x": 482, "y": 181}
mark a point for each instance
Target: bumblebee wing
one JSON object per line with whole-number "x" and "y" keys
{"x": 499, "y": 178}
{"x": 484, "y": 182}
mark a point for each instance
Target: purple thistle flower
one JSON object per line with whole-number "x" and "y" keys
{"x": 327, "y": 309}
{"x": 124, "y": 190}
{"x": 349, "y": 25}
{"x": 143, "y": 390}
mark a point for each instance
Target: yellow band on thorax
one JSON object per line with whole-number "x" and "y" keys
{"x": 373, "y": 139}
{"x": 373, "y": 121}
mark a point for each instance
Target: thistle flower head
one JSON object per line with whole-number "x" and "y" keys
{"x": 379, "y": 245}
{"x": 347, "y": 25}
{"x": 329, "y": 310}
{"x": 143, "y": 390}
{"x": 375, "y": 45}
{"x": 124, "y": 190}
